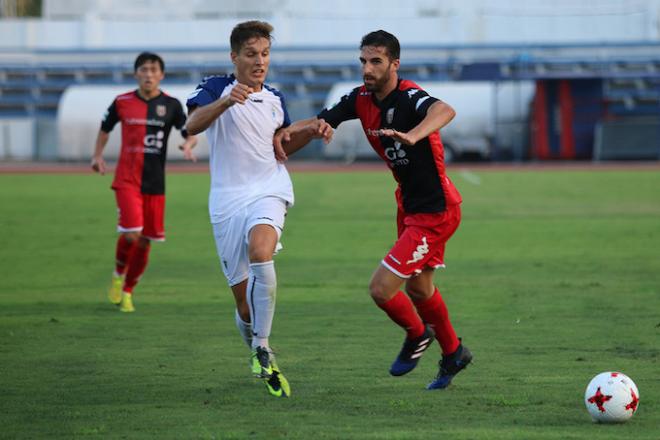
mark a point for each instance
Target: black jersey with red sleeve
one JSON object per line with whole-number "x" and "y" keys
{"x": 145, "y": 128}
{"x": 419, "y": 169}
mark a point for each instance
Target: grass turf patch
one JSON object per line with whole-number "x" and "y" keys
{"x": 552, "y": 278}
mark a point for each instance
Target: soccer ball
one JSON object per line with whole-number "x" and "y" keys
{"x": 611, "y": 397}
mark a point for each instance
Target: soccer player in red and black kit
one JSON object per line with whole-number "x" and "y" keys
{"x": 147, "y": 115}
{"x": 401, "y": 122}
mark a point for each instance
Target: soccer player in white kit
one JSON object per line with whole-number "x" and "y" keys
{"x": 250, "y": 189}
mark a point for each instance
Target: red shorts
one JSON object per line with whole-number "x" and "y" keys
{"x": 421, "y": 242}
{"x": 141, "y": 213}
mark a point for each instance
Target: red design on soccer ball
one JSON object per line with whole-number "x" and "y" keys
{"x": 599, "y": 399}
{"x": 633, "y": 403}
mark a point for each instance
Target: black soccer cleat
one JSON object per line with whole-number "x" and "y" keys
{"x": 411, "y": 352}
{"x": 450, "y": 366}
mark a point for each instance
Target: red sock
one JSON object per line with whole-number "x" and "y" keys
{"x": 434, "y": 312}
{"x": 136, "y": 266}
{"x": 123, "y": 253}
{"x": 401, "y": 310}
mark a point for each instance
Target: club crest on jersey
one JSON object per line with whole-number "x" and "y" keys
{"x": 161, "y": 110}
{"x": 389, "y": 116}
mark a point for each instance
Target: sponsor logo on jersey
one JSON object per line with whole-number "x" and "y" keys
{"x": 142, "y": 121}
{"x": 373, "y": 133}
{"x": 161, "y": 110}
{"x": 396, "y": 155}
{"x": 153, "y": 143}
{"x": 419, "y": 253}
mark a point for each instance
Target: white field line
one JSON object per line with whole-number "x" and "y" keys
{"x": 470, "y": 177}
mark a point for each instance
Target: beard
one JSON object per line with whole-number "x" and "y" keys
{"x": 377, "y": 84}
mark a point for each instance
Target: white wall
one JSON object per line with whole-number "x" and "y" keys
{"x": 16, "y": 139}
{"x": 168, "y": 23}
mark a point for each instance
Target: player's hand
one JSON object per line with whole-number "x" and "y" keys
{"x": 187, "y": 152}
{"x": 404, "y": 138}
{"x": 322, "y": 130}
{"x": 239, "y": 94}
{"x": 98, "y": 165}
{"x": 281, "y": 137}
{"x": 187, "y": 148}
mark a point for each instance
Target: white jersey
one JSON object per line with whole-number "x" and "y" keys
{"x": 242, "y": 159}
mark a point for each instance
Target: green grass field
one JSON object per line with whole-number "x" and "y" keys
{"x": 553, "y": 277}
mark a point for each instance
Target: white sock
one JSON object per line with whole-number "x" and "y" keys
{"x": 244, "y": 328}
{"x": 261, "y": 288}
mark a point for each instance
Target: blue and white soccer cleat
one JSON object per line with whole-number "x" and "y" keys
{"x": 450, "y": 366}
{"x": 411, "y": 353}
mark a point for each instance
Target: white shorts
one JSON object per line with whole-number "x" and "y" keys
{"x": 232, "y": 235}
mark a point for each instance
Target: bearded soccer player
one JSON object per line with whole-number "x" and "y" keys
{"x": 402, "y": 124}
{"x": 147, "y": 116}
{"x": 250, "y": 191}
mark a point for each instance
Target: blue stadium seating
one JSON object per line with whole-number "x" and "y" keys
{"x": 307, "y": 73}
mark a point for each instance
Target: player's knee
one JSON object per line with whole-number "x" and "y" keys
{"x": 260, "y": 255}
{"x": 378, "y": 291}
{"x": 131, "y": 236}
{"x": 144, "y": 242}
{"x": 417, "y": 294}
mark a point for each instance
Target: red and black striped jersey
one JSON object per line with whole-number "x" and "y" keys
{"x": 145, "y": 128}
{"x": 419, "y": 169}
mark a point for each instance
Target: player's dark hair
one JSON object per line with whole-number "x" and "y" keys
{"x": 146, "y": 57}
{"x": 247, "y": 30}
{"x": 384, "y": 39}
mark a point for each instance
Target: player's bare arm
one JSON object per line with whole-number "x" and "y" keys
{"x": 201, "y": 118}
{"x": 438, "y": 115}
{"x": 98, "y": 163}
{"x": 292, "y": 138}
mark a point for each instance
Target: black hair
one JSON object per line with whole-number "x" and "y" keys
{"x": 384, "y": 39}
{"x": 145, "y": 57}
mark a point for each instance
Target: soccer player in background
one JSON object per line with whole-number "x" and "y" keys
{"x": 147, "y": 115}
{"x": 250, "y": 191}
{"x": 401, "y": 122}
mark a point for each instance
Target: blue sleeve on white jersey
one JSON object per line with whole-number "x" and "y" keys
{"x": 286, "y": 121}
{"x": 208, "y": 90}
